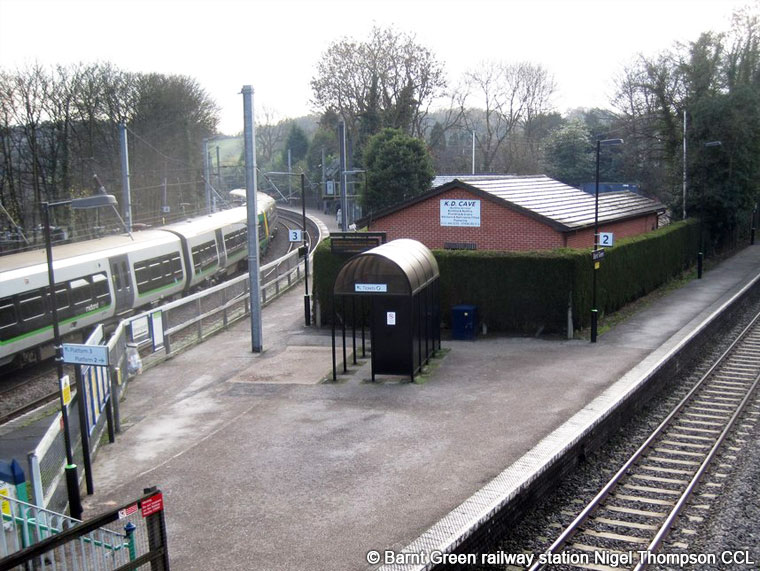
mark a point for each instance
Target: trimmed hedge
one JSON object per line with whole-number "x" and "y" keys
{"x": 523, "y": 292}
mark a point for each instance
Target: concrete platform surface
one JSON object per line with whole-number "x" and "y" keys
{"x": 263, "y": 466}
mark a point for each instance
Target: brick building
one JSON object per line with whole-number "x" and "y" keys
{"x": 513, "y": 213}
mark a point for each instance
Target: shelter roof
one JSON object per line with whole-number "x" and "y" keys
{"x": 400, "y": 267}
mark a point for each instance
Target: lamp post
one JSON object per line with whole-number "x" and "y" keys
{"x": 98, "y": 201}
{"x": 700, "y": 253}
{"x": 305, "y": 253}
{"x": 594, "y": 310}
{"x": 304, "y": 250}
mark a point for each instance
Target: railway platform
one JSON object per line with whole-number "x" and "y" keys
{"x": 265, "y": 465}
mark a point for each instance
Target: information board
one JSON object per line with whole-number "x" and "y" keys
{"x": 460, "y": 212}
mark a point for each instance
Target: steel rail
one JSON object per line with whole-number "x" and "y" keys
{"x": 670, "y": 520}
{"x": 594, "y": 504}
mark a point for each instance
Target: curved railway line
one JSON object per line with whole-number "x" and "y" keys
{"x": 625, "y": 524}
{"x": 28, "y": 389}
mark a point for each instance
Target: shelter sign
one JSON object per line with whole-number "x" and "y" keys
{"x": 460, "y": 212}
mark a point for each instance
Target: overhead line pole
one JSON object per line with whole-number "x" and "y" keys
{"x": 125, "y": 190}
{"x": 253, "y": 220}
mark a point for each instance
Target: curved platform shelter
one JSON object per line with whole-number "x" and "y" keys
{"x": 396, "y": 286}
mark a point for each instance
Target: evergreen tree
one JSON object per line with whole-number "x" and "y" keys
{"x": 398, "y": 167}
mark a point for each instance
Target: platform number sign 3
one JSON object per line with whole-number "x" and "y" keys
{"x": 294, "y": 235}
{"x": 606, "y": 239}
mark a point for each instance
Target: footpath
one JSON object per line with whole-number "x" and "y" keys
{"x": 264, "y": 465}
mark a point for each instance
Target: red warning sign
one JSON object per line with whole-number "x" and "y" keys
{"x": 126, "y": 512}
{"x": 152, "y": 505}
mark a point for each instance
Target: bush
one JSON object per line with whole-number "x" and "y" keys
{"x": 522, "y": 292}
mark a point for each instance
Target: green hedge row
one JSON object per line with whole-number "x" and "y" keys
{"x": 526, "y": 291}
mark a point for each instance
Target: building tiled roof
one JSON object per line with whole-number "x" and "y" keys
{"x": 563, "y": 204}
{"x": 557, "y": 204}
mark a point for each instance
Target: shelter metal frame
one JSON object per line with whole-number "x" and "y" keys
{"x": 395, "y": 281}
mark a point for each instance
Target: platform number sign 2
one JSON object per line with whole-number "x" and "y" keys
{"x": 294, "y": 235}
{"x": 606, "y": 239}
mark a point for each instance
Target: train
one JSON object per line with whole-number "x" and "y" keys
{"x": 107, "y": 278}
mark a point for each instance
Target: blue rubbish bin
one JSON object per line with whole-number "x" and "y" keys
{"x": 464, "y": 322}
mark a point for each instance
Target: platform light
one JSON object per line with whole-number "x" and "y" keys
{"x": 304, "y": 249}
{"x": 701, "y": 252}
{"x": 594, "y": 311}
{"x": 96, "y": 201}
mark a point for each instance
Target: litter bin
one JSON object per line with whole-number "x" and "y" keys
{"x": 464, "y": 322}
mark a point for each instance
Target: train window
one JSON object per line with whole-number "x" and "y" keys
{"x": 157, "y": 272}
{"x": 31, "y": 305}
{"x": 204, "y": 256}
{"x": 61, "y": 297}
{"x": 100, "y": 289}
{"x": 7, "y": 313}
{"x": 80, "y": 292}
{"x": 142, "y": 275}
{"x": 235, "y": 241}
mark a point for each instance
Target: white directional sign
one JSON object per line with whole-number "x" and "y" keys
{"x": 77, "y": 354}
{"x": 294, "y": 235}
{"x": 370, "y": 288}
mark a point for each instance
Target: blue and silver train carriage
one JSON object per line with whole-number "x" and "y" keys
{"x": 101, "y": 279}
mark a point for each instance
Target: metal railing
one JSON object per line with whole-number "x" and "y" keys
{"x": 156, "y": 334}
{"x": 33, "y": 537}
{"x": 190, "y": 320}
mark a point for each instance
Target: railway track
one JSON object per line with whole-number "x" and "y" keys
{"x": 625, "y": 524}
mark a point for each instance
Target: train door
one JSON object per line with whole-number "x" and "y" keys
{"x": 122, "y": 283}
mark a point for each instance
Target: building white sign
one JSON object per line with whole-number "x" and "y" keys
{"x": 460, "y": 212}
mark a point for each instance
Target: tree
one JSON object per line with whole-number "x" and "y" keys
{"x": 497, "y": 98}
{"x": 388, "y": 80}
{"x": 59, "y": 126}
{"x": 569, "y": 154}
{"x": 725, "y": 177}
{"x": 398, "y": 167}
{"x": 297, "y": 143}
{"x": 714, "y": 81}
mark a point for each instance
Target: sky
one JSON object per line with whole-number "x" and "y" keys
{"x": 274, "y": 45}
